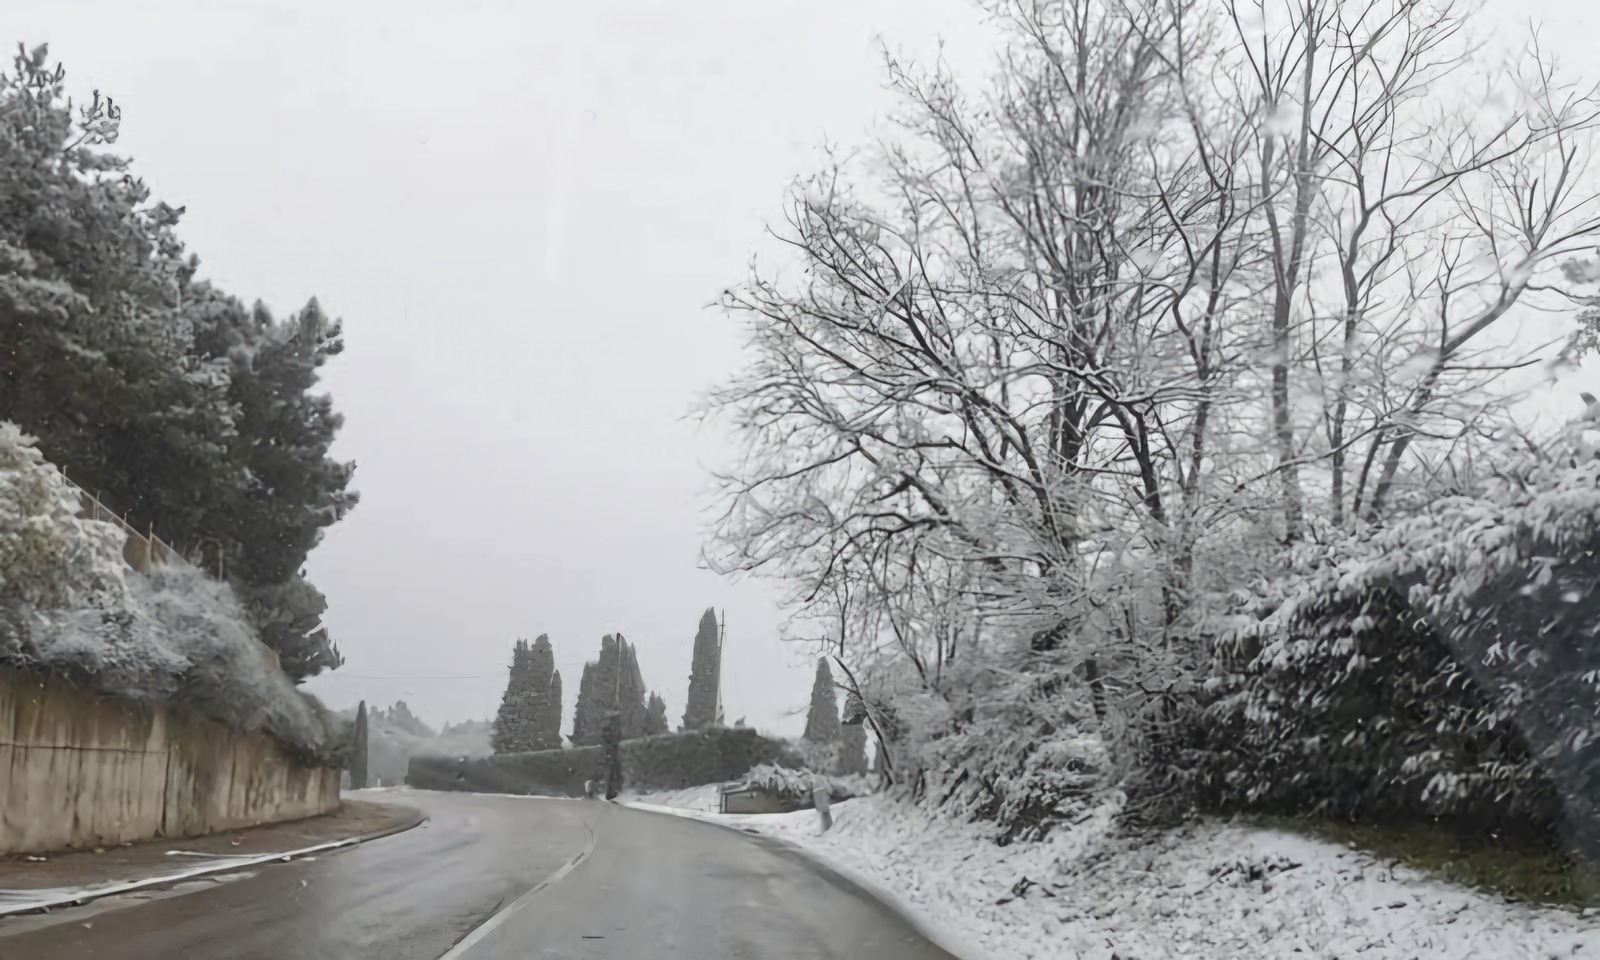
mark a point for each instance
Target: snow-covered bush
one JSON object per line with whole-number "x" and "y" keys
{"x": 1442, "y": 666}
{"x": 48, "y": 555}
{"x": 70, "y": 606}
{"x": 788, "y": 784}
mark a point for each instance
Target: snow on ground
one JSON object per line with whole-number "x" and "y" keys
{"x": 704, "y": 799}
{"x": 1209, "y": 892}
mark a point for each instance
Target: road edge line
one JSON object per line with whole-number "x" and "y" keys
{"x": 476, "y": 934}
{"x": 200, "y": 873}
{"x": 951, "y": 943}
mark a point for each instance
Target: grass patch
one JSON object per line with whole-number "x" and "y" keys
{"x": 1517, "y": 871}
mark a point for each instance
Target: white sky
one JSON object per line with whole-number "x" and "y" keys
{"x": 520, "y": 210}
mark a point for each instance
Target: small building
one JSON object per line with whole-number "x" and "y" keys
{"x": 744, "y": 798}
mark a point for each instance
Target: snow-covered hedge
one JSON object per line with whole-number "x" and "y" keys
{"x": 69, "y": 605}
{"x": 1444, "y": 665}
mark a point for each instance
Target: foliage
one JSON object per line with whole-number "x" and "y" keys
{"x": 1190, "y": 288}
{"x": 822, "y": 717}
{"x": 152, "y": 388}
{"x": 611, "y": 683}
{"x": 670, "y": 762}
{"x": 852, "y": 751}
{"x": 700, "y": 708}
{"x": 70, "y": 606}
{"x": 655, "y": 722}
{"x": 395, "y": 736}
{"x": 1442, "y": 667}
{"x": 785, "y": 783}
{"x": 530, "y": 710}
{"x": 399, "y": 717}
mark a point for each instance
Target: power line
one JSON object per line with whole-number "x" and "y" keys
{"x": 366, "y": 676}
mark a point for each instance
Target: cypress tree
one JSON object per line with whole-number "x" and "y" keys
{"x": 550, "y": 723}
{"x": 358, "y": 750}
{"x": 631, "y": 692}
{"x": 514, "y": 724}
{"x": 700, "y": 710}
{"x": 853, "y": 753}
{"x": 541, "y": 665}
{"x": 585, "y": 730}
{"x": 822, "y": 720}
{"x": 655, "y": 721}
{"x": 610, "y": 684}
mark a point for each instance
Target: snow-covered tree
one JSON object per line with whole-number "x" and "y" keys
{"x": 170, "y": 399}
{"x": 71, "y": 606}
{"x": 1063, "y": 364}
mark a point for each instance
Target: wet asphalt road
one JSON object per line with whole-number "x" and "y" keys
{"x": 647, "y": 886}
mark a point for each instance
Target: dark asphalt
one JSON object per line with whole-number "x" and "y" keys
{"x": 650, "y": 886}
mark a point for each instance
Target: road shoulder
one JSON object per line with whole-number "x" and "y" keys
{"x": 35, "y": 883}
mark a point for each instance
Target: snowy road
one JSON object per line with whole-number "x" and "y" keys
{"x": 647, "y": 886}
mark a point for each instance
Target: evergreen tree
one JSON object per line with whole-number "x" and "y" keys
{"x": 631, "y": 693}
{"x": 153, "y": 390}
{"x": 610, "y": 684}
{"x": 585, "y": 727}
{"x": 655, "y": 722}
{"x": 597, "y": 694}
{"x": 550, "y": 723}
{"x": 358, "y": 750}
{"x": 853, "y": 750}
{"x": 822, "y": 720}
{"x": 540, "y": 678}
{"x": 513, "y": 724}
{"x": 400, "y": 717}
{"x": 700, "y": 709}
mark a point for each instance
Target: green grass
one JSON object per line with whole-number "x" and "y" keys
{"x": 1513, "y": 870}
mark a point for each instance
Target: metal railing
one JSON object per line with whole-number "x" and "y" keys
{"x": 142, "y": 550}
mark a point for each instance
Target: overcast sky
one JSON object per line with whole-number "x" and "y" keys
{"x": 520, "y": 210}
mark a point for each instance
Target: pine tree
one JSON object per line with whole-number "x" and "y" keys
{"x": 166, "y": 397}
{"x": 655, "y": 716}
{"x": 822, "y": 720}
{"x": 700, "y": 710}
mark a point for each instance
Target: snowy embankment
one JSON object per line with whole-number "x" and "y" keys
{"x": 1214, "y": 892}
{"x": 71, "y": 606}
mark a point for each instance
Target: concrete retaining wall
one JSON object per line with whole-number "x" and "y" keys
{"x": 80, "y": 770}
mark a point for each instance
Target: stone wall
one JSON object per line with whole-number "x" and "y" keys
{"x": 80, "y": 770}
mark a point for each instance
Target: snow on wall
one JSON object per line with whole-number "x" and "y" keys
{"x": 70, "y": 606}
{"x": 86, "y": 771}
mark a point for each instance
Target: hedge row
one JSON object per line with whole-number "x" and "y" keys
{"x": 671, "y": 761}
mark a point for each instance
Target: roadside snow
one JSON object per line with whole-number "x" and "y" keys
{"x": 1204, "y": 892}
{"x": 702, "y": 799}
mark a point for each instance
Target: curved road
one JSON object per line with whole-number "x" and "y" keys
{"x": 648, "y": 886}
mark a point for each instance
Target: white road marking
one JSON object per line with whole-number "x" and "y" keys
{"x": 490, "y": 925}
